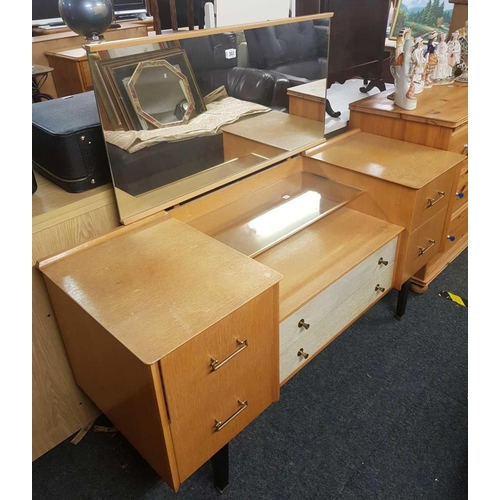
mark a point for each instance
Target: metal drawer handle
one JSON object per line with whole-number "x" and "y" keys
{"x": 379, "y": 288}
{"x": 382, "y": 261}
{"x": 431, "y": 202}
{"x": 215, "y": 364}
{"x": 218, "y": 426}
{"x": 466, "y": 149}
{"x": 422, "y": 250}
{"x": 302, "y": 323}
{"x": 302, "y": 353}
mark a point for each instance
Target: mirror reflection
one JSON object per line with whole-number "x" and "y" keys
{"x": 187, "y": 114}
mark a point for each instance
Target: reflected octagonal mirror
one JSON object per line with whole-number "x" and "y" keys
{"x": 161, "y": 94}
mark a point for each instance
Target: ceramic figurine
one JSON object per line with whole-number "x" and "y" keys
{"x": 464, "y": 54}
{"x": 397, "y": 57}
{"x": 418, "y": 64}
{"x": 441, "y": 69}
{"x": 430, "y": 60}
{"x": 404, "y": 96}
{"x": 453, "y": 52}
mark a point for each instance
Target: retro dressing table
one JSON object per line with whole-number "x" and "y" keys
{"x": 182, "y": 323}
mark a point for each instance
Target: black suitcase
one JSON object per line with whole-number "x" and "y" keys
{"x": 68, "y": 144}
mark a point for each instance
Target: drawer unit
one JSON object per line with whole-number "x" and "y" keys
{"x": 432, "y": 198}
{"x": 298, "y": 345}
{"x": 458, "y": 228}
{"x": 322, "y": 305}
{"x": 424, "y": 243}
{"x": 462, "y": 189}
{"x": 179, "y": 362}
{"x": 220, "y": 381}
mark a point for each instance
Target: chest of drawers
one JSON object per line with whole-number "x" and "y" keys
{"x": 179, "y": 362}
{"x": 406, "y": 184}
{"x": 439, "y": 121}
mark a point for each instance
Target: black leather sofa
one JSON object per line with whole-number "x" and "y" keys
{"x": 214, "y": 65}
{"x": 299, "y": 51}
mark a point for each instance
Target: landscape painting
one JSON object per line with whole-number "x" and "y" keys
{"x": 422, "y": 16}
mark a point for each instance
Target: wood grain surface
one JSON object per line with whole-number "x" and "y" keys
{"x": 151, "y": 290}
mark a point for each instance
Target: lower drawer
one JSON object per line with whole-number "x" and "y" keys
{"x": 462, "y": 190}
{"x": 423, "y": 244}
{"x": 458, "y": 228}
{"x": 296, "y": 348}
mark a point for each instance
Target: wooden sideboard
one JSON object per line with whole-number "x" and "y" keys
{"x": 60, "y": 220}
{"x": 439, "y": 121}
{"x": 67, "y": 41}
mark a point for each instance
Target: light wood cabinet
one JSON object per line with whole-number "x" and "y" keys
{"x": 179, "y": 361}
{"x": 439, "y": 121}
{"x": 406, "y": 184}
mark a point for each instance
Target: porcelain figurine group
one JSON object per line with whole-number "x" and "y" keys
{"x": 416, "y": 66}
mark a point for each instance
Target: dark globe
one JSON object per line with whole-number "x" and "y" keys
{"x": 89, "y": 18}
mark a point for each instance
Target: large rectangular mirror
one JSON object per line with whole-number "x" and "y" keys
{"x": 187, "y": 112}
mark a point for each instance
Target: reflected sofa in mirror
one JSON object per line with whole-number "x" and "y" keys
{"x": 188, "y": 112}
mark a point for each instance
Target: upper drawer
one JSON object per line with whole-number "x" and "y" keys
{"x": 459, "y": 140}
{"x": 325, "y": 302}
{"x": 229, "y": 373}
{"x": 432, "y": 198}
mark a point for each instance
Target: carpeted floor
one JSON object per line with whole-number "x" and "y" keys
{"x": 380, "y": 414}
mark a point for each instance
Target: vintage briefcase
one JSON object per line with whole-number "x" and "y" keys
{"x": 68, "y": 144}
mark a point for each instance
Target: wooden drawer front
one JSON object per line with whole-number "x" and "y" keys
{"x": 330, "y": 325}
{"x": 420, "y": 241}
{"x": 85, "y": 72}
{"x": 323, "y": 304}
{"x": 197, "y": 396}
{"x": 459, "y": 139}
{"x": 462, "y": 190}
{"x": 432, "y": 198}
{"x": 458, "y": 229}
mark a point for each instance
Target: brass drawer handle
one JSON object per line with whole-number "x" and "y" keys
{"x": 302, "y": 353}
{"x": 379, "y": 288}
{"x": 218, "y": 426}
{"x": 215, "y": 364}
{"x": 431, "y": 201}
{"x": 422, "y": 250}
{"x": 382, "y": 261}
{"x": 302, "y": 323}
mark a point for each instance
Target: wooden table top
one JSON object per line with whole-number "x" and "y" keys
{"x": 312, "y": 91}
{"x": 157, "y": 283}
{"x": 442, "y": 105}
{"x": 277, "y": 129}
{"x": 401, "y": 162}
{"x": 76, "y": 53}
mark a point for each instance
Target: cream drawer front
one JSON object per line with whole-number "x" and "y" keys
{"x": 324, "y": 303}
{"x": 310, "y": 341}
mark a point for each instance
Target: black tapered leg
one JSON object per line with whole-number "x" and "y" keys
{"x": 402, "y": 300}
{"x": 220, "y": 464}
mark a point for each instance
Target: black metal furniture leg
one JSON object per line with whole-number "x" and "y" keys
{"x": 402, "y": 299}
{"x": 220, "y": 464}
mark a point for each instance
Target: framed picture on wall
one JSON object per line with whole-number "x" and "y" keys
{"x": 421, "y": 16}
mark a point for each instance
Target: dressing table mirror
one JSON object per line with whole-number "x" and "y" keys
{"x": 190, "y": 111}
